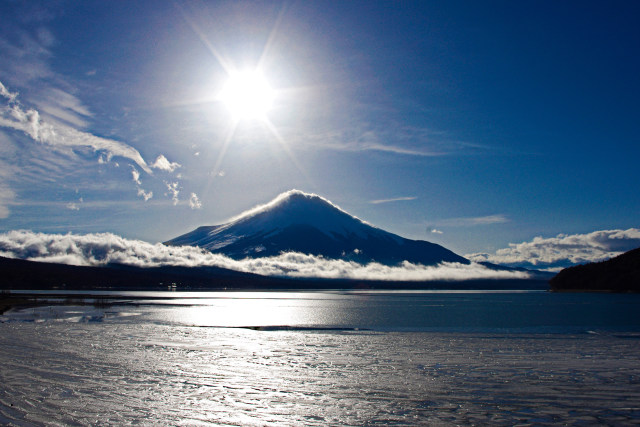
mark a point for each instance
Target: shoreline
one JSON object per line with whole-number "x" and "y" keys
{"x": 21, "y": 298}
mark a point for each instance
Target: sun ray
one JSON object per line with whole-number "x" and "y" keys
{"x": 285, "y": 146}
{"x": 225, "y": 145}
{"x": 196, "y": 29}
{"x": 272, "y": 36}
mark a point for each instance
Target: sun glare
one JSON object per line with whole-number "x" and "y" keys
{"x": 247, "y": 95}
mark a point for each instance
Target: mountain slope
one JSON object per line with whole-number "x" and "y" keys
{"x": 300, "y": 222}
{"x": 619, "y": 274}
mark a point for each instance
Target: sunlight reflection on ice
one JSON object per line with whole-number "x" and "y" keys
{"x": 248, "y": 310}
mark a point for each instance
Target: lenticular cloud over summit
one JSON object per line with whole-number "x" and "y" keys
{"x": 105, "y": 248}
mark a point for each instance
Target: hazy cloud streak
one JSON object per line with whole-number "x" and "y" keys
{"x": 6, "y": 197}
{"x": 472, "y": 221}
{"x": 356, "y": 146}
{"x": 397, "y": 199}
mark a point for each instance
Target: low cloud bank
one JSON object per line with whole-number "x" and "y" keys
{"x": 564, "y": 250}
{"x": 104, "y": 248}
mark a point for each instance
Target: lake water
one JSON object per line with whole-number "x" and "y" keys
{"x": 324, "y": 358}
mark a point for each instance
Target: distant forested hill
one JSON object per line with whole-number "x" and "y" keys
{"x": 619, "y": 274}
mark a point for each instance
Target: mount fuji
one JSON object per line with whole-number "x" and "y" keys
{"x": 300, "y": 222}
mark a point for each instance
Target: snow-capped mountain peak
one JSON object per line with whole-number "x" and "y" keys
{"x": 301, "y": 222}
{"x": 295, "y": 207}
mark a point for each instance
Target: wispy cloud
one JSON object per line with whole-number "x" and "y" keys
{"x": 26, "y": 55}
{"x": 473, "y": 221}
{"x": 564, "y": 250}
{"x": 63, "y": 106}
{"x": 58, "y": 135}
{"x": 104, "y": 248}
{"x": 367, "y": 141}
{"x": 389, "y": 148}
{"x": 4, "y": 92}
{"x": 489, "y": 219}
{"x": 396, "y": 199}
{"x": 394, "y": 138}
{"x": 26, "y": 58}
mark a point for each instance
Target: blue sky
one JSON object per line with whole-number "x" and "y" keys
{"x": 474, "y": 125}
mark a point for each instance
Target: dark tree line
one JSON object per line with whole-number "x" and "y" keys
{"x": 619, "y": 274}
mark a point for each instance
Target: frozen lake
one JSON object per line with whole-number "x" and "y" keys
{"x": 325, "y": 358}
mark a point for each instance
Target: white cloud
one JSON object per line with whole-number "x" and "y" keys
{"x": 146, "y": 195}
{"x": 106, "y": 158}
{"x": 163, "y": 164}
{"x": 396, "y": 199}
{"x": 73, "y": 206}
{"x": 434, "y": 230}
{"x": 173, "y": 191}
{"x": 564, "y": 250}
{"x": 135, "y": 175}
{"x": 103, "y": 248}
{"x": 194, "y": 201}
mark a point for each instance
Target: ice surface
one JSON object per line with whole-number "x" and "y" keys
{"x": 124, "y": 369}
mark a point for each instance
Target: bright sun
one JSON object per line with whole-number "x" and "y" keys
{"x": 247, "y": 95}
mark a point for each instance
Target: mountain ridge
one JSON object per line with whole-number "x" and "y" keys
{"x": 296, "y": 221}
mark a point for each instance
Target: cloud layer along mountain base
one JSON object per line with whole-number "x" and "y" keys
{"x": 104, "y": 248}
{"x": 556, "y": 253}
